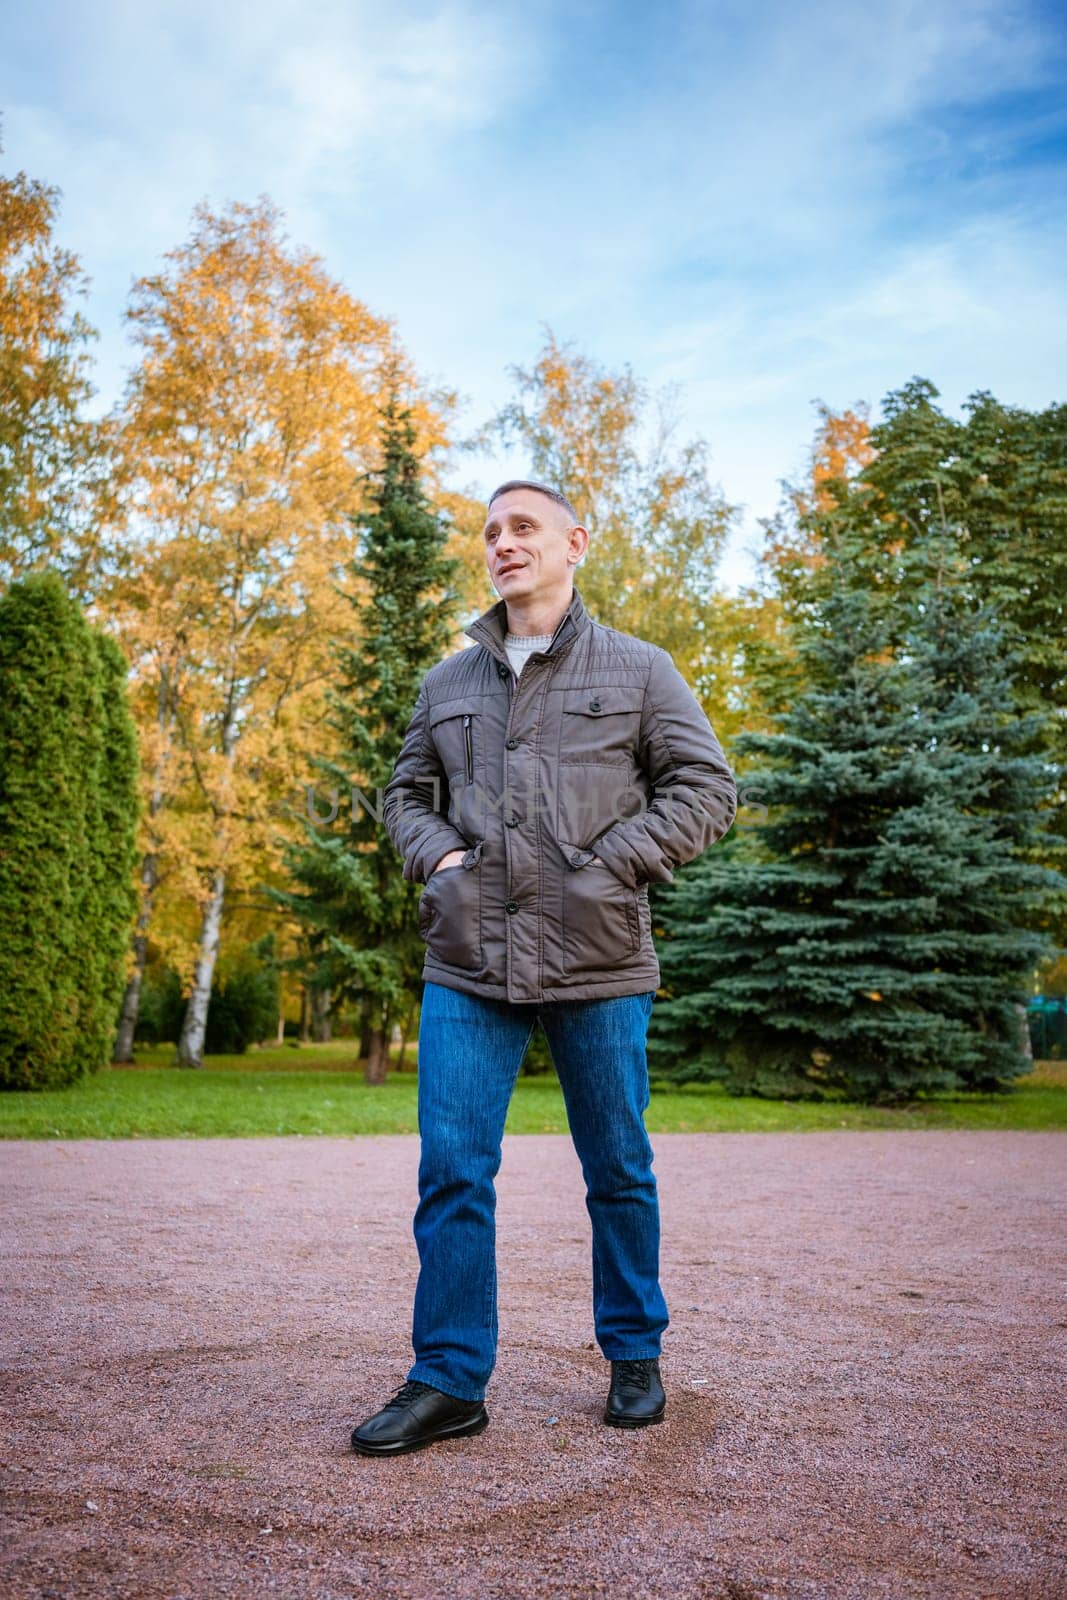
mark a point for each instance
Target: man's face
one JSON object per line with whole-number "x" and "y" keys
{"x": 531, "y": 546}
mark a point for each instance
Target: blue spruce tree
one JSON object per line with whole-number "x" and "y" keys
{"x": 876, "y": 935}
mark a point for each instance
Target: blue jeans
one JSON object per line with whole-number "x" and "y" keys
{"x": 470, "y": 1052}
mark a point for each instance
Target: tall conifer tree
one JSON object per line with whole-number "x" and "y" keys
{"x": 877, "y": 933}
{"x": 360, "y": 914}
{"x": 68, "y": 820}
{"x": 996, "y": 483}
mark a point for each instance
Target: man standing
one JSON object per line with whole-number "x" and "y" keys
{"x": 547, "y": 777}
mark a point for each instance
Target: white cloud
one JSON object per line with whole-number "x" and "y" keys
{"x": 766, "y": 206}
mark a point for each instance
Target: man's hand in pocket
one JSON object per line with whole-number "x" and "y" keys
{"x": 454, "y": 858}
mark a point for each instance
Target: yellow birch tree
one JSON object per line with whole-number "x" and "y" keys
{"x": 53, "y": 459}
{"x": 246, "y": 434}
{"x": 657, "y": 523}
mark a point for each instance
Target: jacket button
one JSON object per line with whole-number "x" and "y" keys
{"x": 501, "y": 670}
{"x": 511, "y": 905}
{"x": 511, "y": 822}
{"x": 512, "y": 744}
{"x": 594, "y": 705}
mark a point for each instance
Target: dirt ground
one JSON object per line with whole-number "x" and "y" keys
{"x": 864, "y": 1375}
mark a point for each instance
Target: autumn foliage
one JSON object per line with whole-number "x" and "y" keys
{"x": 215, "y": 554}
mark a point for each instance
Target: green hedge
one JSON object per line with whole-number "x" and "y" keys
{"x": 68, "y": 822}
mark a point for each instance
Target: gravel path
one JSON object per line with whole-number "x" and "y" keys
{"x": 863, "y": 1371}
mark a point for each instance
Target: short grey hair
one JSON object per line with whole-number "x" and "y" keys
{"x": 541, "y": 488}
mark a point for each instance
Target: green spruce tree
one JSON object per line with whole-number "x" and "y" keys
{"x": 359, "y": 914}
{"x": 876, "y": 934}
{"x": 997, "y": 482}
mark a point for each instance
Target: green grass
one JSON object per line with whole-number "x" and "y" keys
{"x": 314, "y": 1090}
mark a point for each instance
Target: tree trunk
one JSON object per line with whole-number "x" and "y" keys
{"x": 321, "y": 1021}
{"x": 305, "y": 1015}
{"x": 131, "y": 1002}
{"x": 378, "y": 1054}
{"x": 377, "y": 1057}
{"x": 131, "y": 999}
{"x": 194, "y": 1027}
{"x": 1025, "y": 1045}
{"x": 409, "y": 1017}
{"x": 364, "y": 1029}
{"x": 280, "y": 1036}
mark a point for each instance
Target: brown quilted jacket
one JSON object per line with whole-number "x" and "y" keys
{"x": 599, "y": 748}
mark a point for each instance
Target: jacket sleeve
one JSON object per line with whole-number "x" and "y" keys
{"x": 694, "y": 798}
{"x": 412, "y": 803}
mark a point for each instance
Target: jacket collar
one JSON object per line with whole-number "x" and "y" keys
{"x": 489, "y": 629}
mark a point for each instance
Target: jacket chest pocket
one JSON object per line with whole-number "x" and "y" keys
{"x": 600, "y": 727}
{"x": 598, "y": 777}
{"x": 456, "y": 731}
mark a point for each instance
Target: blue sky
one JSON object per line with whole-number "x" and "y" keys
{"x": 765, "y": 204}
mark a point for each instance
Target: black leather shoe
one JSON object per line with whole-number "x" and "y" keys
{"x": 417, "y": 1415}
{"x": 636, "y": 1396}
